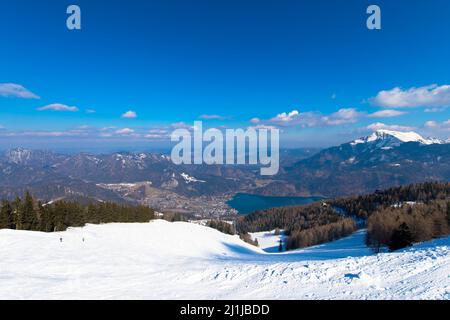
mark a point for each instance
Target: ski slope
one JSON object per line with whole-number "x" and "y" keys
{"x": 162, "y": 260}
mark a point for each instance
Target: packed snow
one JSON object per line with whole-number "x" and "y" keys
{"x": 269, "y": 241}
{"x": 162, "y": 260}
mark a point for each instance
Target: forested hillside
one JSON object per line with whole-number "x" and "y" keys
{"x": 363, "y": 206}
{"x": 30, "y": 214}
{"x": 305, "y": 225}
{"x": 395, "y": 217}
{"x": 400, "y": 226}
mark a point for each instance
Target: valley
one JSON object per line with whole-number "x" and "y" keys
{"x": 364, "y": 165}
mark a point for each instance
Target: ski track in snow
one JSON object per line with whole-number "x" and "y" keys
{"x": 162, "y": 260}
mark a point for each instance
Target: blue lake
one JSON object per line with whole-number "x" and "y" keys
{"x": 247, "y": 203}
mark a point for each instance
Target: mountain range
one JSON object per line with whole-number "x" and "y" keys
{"x": 380, "y": 160}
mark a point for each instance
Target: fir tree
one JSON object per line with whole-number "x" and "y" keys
{"x": 16, "y": 205}
{"x": 6, "y": 216}
{"x": 26, "y": 213}
{"x": 401, "y": 238}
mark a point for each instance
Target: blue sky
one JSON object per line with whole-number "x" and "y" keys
{"x": 311, "y": 68}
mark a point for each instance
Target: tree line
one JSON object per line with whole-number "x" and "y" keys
{"x": 229, "y": 228}
{"x": 398, "y": 227}
{"x": 222, "y": 226}
{"x": 305, "y": 225}
{"x": 321, "y": 234}
{"x": 390, "y": 219}
{"x": 28, "y": 213}
{"x": 365, "y": 205}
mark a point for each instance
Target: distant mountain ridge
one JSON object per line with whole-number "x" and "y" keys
{"x": 380, "y": 160}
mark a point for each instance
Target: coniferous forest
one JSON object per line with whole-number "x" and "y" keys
{"x": 395, "y": 218}
{"x": 365, "y": 205}
{"x": 222, "y": 226}
{"x": 304, "y": 225}
{"x": 29, "y": 214}
{"x": 400, "y": 226}
{"x": 399, "y": 217}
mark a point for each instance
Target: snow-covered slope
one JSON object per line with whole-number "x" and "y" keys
{"x": 389, "y": 138}
{"x": 268, "y": 240}
{"x": 162, "y": 260}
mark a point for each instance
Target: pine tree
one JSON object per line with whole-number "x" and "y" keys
{"x": 6, "y": 216}
{"x": 46, "y": 218}
{"x": 16, "y": 205}
{"x": 401, "y": 238}
{"x": 26, "y": 213}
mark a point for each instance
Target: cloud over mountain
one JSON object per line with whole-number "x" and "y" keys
{"x": 381, "y": 126}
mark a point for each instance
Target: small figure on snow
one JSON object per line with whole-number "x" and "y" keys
{"x": 280, "y": 247}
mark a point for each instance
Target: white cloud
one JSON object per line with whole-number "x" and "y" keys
{"x": 16, "y": 91}
{"x": 91, "y": 132}
{"x": 435, "y": 110}
{"x": 181, "y": 125}
{"x": 156, "y": 136}
{"x": 393, "y": 127}
{"x": 427, "y": 96}
{"x": 125, "y": 131}
{"x": 262, "y": 127}
{"x": 58, "y": 107}
{"x": 313, "y": 119}
{"x": 105, "y": 135}
{"x": 129, "y": 115}
{"x": 158, "y": 133}
{"x": 388, "y": 113}
{"x": 286, "y": 117}
{"x": 212, "y": 117}
{"x": 444, "y": 125}
{"x": 48, "y": 134}
{"x": 342, "y": 116}
{"x": 90, "y": 111}
{"x": 431, "y": 124}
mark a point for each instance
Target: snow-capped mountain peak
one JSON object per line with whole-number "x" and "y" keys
{"x": 389, "y": 138}
{"x": 18, "y": 155}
